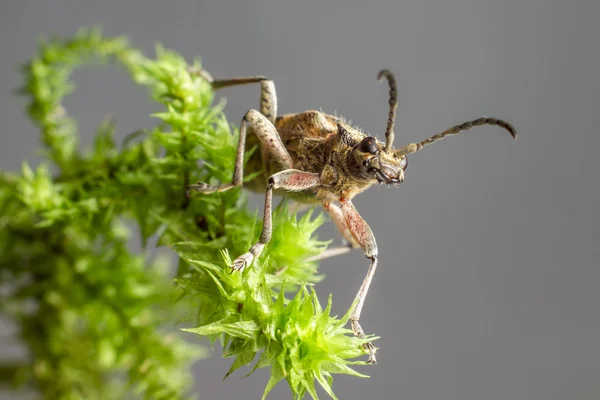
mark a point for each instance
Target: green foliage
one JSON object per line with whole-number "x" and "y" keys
{"x": 301, "y": 342}
{"x": 98, "y": 319}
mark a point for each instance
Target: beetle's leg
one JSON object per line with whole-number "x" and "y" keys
{"x": 331, "y": 252}
{"x": 364, "y": 237}
{"x": 270, "y": 141}
{"x": 290, "y": 179}
{"x": 335, "y": 212}
{"x": 268, "y": 95}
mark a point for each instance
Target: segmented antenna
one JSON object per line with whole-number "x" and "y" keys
{"x": 411, "y": 148}
{"x": 468, "y": 125}
{"x": 389, "y": 132}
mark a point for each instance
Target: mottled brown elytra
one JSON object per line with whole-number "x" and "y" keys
{"x": 314, "y": 157}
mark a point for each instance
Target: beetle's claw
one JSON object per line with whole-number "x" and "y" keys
{"x": 201, "y": 187}
{"x": 242, "y": 262}
{"x": 372, "y": 350}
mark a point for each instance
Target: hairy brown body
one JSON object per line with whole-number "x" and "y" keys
{"x": 311, "y": 139}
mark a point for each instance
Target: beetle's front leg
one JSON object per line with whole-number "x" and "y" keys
{"x": 292, "y": 180}
{"x": 270, "y": 141}
{"x": 363, "y": 235}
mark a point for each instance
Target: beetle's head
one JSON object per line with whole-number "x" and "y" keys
{"x": 370, "y": 159}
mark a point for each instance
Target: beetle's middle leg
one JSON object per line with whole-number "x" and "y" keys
{"x": 270, "y": 142}
{"x": 290, "y": 179}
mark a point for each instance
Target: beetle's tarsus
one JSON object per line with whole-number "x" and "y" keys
{"x": 372, "y": 350}
{"x": 242, "y": 262}
{"x": 201, "y": 187}
{"x": 369, "y": 347}
{"x": 207, "y": 189}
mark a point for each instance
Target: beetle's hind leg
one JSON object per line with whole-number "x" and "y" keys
{"x": 268, "y": 95}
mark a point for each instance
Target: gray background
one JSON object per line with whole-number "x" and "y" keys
{"x": 487, "y": 287}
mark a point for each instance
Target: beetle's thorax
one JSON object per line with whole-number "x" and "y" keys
{"x": 343, "y": 176}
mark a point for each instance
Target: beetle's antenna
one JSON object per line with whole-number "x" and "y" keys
{"x": 411, "y": 148}
{"x": 389, "y": 132}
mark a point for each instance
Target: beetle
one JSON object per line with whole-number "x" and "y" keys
{"x": 314, "y": 157}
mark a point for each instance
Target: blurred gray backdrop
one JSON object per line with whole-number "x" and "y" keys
{"x": 489, "y": 272}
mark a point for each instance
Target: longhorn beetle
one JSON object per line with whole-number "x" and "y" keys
{"x": 319, "y": 158}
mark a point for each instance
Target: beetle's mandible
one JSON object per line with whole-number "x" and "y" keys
{"x": 316, "y": 157}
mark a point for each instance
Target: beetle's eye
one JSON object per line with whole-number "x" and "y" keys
{"x": 404, "y": 163}
{"x": 368, "y": 145}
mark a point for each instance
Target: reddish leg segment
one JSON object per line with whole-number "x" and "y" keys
{"x": 337, "y": 217}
